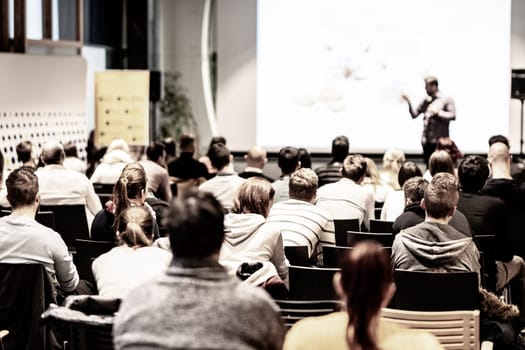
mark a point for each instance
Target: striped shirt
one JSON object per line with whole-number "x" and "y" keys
{"x": 302, "y": 224}
{"x": 329, "y": 173}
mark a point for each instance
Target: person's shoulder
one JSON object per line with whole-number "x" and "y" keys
{"x": 315, "y": 332}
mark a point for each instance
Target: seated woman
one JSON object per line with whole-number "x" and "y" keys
{"x": 248, "y": 239}
{"x": 134, "y": 260}
{"x": 365, "y": 284}
{"x": 130, "y": 190}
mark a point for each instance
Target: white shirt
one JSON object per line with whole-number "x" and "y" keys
{"x": 394, "y": 206}
{"x": 225, "y": 187}
{"x": 76, "y": 164}
{"x": 123, "y": 268}
{"x": 158, "y": 180}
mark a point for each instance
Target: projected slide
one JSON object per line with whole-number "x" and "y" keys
{"x": 332, "y": 67}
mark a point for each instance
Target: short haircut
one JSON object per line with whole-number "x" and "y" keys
{"x": 304, "y": 158}
{"x": 499, "y": 153}
{"x": 169, "y": 145}
{"x": 217, "y": 139}
{"x": 340, "y": 148}
{"x": 186, "y": 143}
{"x": 441, "y": 195}
{"x": 407, "y": 171}
{"x": 303, "y": 184}
{"x": 52, "y": 153}
{"x": 473, "y": 172}
{"x": 414, "y": 189}
{"x": 24, "y": 151}
{"x": 155, "y": 150}
{"x": 195, "y": 222}
{"x": 219, "y": 156}
{"x": 354, "y": 167}
{"x": 22, "y": 187}
{"x": 288, "y": 159}
{"x": 255, "y": 197}
{"x": 432, "y": 80}
{"x": 440, "y": 162}
{"x": 70, "y": 149}
{"x": 499, "y": 138}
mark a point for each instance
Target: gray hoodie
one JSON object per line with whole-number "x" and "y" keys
{"x": 431, "y": 246}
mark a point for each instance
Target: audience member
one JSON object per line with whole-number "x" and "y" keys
{"x": 331, "y": 172}
{"x": 434, "y": 245}
{"x": 448, "y": 145}
{"x": 225, "y": 185}
{"x": 248, "y": 239}
{"x": 129, "y": 191}
{"x": 517, "y": 165}
{"x": 440, "y": 162}
{"x": 414, "y": 213}
{"x": 347, "y": 198}
{"x": 59, "y": 185}
{"x": 255, "y": 161}
{"x": 373, "y": 182}
{"x": 304, "y": 158}
{"x": 25, "y": 241}
{"x": 111, "y": 165}
{"x": 133, "y": 261}
{"x": 171, "y": 149}
{"x": 26, "y": 154}
{"x": 288, "y": 162}
{"x": 486, "y": 215}
{"x": 300, "y": 222}
{"x": 512, "y": 193}
{"x": 206, "y": 159}
{"x": 186, "y": 169}
{"x": 72, "y": 161}
{"x": 197, "y": 304}
{"x": 155, "y": 168}
{"x": 365, "y": 285}
{"x": 395, "y": 200}
{"x": 393, "y": 160}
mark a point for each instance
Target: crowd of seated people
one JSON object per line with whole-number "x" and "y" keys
{"x": 225, "y": 236}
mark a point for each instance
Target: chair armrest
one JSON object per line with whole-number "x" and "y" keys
{"x": 3, "y": 333}
{"x": 487, "y": 345}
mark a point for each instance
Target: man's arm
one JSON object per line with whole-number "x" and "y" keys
{"x": 448, "y": 111}
{"x": 413, "y": 112}
{"x": 65, "y": 271}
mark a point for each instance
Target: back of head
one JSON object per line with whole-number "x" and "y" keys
{"x": 256, "y": 156}
{"x": 393, "y": 159}
{"x": 22, "y": 187}
{"x": 371, "y": 171}
{"x": 70, "y": 149}
{"x": 499, "y": 153}
{"x": 187, "y": 143}
{"x": 135, "y": 226}
{"x": 288, "y": 160}
{"x": 414, "y": 189}
{"x": 118, "y": 144}
{"x": 407, "y": 171}
{"x": 441, "y": 195}
{"x": 255, "y": 196}
{"x": 24, "y": 151}
{"x": 440, "y": 162}
{"x": 473, "y": 172}
{"x": 130, "y": 185}
{"x": 304, "y": 158}
{"x": 219, "y": 156}
{"x": 354, "y": 167}
{"x": 155, "y": 151}
{"x": 366, "y": 277}
{"x": 448, "y": 145}
{"x": 217, "y": 139}
{"x": 169, "y": 146}
{"x": 499, "y": 138}
{"x": 195, "y": 222}
{"x": 340, "y": 148}
{"x": 52, "y": 153}
{"x": 303, "y": 185}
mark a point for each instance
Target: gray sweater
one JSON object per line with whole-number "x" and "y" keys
{"x": 198, "y": 308}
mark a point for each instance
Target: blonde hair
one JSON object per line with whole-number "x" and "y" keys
{"x": 135, "y": 227}
{"x": 255, "y": 196}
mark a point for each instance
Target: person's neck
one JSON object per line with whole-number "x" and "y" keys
{"x": 444, "y": 220}
{"x": 501, "y": 172}
{"x": 28, "y": 212}
{"x": 194, "y": 262}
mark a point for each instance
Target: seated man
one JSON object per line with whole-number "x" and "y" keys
{"x": 346, "y": 198}
{"x": 186, "y": 169}
{"x": 255, "y": 161}
{"x": 288, "y": 162}
{"x": 331, "y": 172}
{"x": 25, "y": 241}
{"x": 197, "y": 304}
{"x": 434, "y": 245}
{"x": 155, "y": 168}
{"x": 225, "y": 185}
{"x": 25, "y": 154}
{"x": 302, "y": 223}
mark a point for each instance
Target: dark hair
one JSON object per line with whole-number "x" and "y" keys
{"x": 155, "y": 150}
{"x": 366, "y": 274}
{"x": 304, "y": 158}
{"x": 414, "y": 189}
{"x": 440, "y": 162}
{"x": 217, "y": 139}
{"x": 70, "y": 149}
{"x": 303, "y": 184}
{"x": 288, "y": 159}
{"x": 255, "y": 196}
{"x": 186, "y": 141}
{"x": 169, "y": 146}
{"x": 441, "y": 195}
{"x": 354, "y": 167}
{"x": 135, "y": 226}
{"x": 340, "y": 148}
{"x": 448, "y": 145}
{"x": 195, "y": 222}
{"x": 473, "y": 172}
{"x": 499, "y": 138}
{"x": 130, "y": 184}
{"x": 52, "y": 153}
{"x": 22, "y": 187}
{"x": 24, "y": 151}
{"x": 407, "y": 171}
{"x": 219, "y": 156}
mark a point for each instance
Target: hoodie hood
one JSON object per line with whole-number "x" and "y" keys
{"x": 117, "y": 156}
{"x": 240, "y": 227}
{"x": 434, "y": 244}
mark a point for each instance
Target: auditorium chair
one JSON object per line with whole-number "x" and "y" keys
{"x": 381, "y": 226}
{"x": 385, "y": 239}
{"x": 311, "y": 283}
{"x": 292, "y": 311}
{"x": 341, "y": 227}
{"x": 332, "y": 255}
{"x": 70, "y": 221}
{"x": 297, "y": 255}
{"x": 86, "y": 252}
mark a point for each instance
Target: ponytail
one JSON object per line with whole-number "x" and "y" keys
{"x": 133, "y": 236}
{"x": 135, "y": 225}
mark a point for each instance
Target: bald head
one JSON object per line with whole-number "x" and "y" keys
{"x": 499, "y": 153}
{"x": 52, "y": 153}
{"x": 256, "y": 157}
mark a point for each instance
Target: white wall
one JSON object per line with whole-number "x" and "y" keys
{"x": 517, "y": 61}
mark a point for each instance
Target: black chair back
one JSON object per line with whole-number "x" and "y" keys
{"x": 311, "y": 283}
{"x": 70, "y": 221}
{"x": 381, "y": 226}
{"x": 385, "y": 239}
{"x": 295, "y": 310}
{"x": 436, "y": 291}
{"x": 46, "y": 218}
{"x": 486, "y": 247}
{"x": 332, "y": 255}
{"x": 297, "y": 255}
{"x": 86, "y": 252}
{"x": 341, "y": 227}
{"x": 103, "y": 188}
